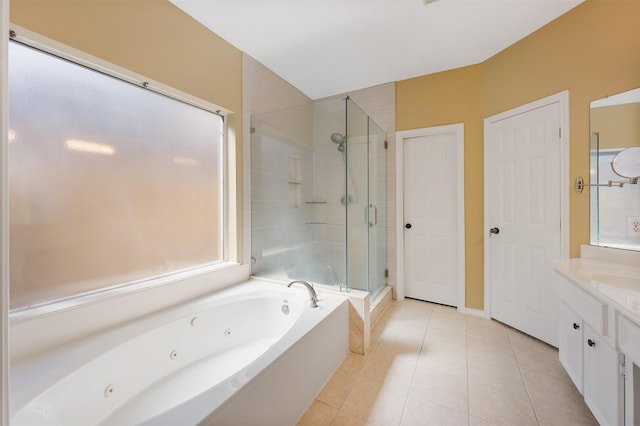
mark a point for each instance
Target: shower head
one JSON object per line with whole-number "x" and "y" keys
{"x": 337, "y": 138}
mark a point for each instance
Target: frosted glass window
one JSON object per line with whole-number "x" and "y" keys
{"x": 109, "y": 183}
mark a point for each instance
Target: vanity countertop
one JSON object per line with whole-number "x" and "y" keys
{"x": 616, "y": 284}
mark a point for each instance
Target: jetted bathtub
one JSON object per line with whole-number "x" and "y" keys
{"x": 255, "y": 353}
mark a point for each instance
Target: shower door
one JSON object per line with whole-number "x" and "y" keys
{"x": 357, "y": 207}
{"x": 378, "y": 208}
{"x": 318, "y": 196}
{"x": 366, "y": 213}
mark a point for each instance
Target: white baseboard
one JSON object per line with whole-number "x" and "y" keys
{"x": 476, "y": 312}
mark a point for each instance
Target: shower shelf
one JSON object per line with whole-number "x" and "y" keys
{"x": 315, "y": 202}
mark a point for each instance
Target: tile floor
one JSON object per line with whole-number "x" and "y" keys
{"x": 431, "y": 365}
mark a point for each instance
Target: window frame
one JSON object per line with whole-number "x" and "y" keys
{"x": 228, "y": 233}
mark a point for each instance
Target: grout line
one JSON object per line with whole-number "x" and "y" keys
{"x": 415, "y": 367}
{"x": 512, "y": 339}
{"x": 526, "y": 387}
{"x": 396, "y": 309}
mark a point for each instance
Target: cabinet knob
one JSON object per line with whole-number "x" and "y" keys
{"x": 575, "y": 326}
{"x": 591, "y": 343}
{"x": 408, "y": 226}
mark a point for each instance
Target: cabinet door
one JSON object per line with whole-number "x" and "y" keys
{"x": 570, "y": 344}
{"x": 603, "y": 384}
{"x": 631, "y": 392}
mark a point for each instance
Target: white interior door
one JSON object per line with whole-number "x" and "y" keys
{"x": 431, "y": 217}
{"x": 523, "y": 190}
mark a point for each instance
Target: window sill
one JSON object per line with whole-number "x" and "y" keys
{"x": 42, "y": 328}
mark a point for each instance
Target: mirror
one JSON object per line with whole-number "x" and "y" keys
{"x": 615, "y": 170}
{"x": 627, "y": 163}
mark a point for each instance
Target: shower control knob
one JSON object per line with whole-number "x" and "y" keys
{"x": 408, "y": 226}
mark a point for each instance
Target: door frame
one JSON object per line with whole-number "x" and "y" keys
{"x": 563, "y": 99}
{"x": 458, "y": 131}
{"x": 4, "y": 216}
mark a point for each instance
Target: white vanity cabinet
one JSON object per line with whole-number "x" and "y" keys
{"x": 629, "y": 341}
{"x": 593, "y": 365}
{"x": 570, "y": 344}
{"x": 603, "y": 386}
{"x": 587, "y": 351}
{"x": 599, "y": 330}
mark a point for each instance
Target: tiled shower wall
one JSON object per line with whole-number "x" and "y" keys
{"x": 328, "y": 117}
{"x": 281, "y": 181}
{"x": 265, "y": 92}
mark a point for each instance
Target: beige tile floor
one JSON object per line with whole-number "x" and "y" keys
{"x": 431, "y": 365}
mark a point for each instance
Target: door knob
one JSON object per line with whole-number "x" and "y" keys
{"x": 408, "y": 226}
{"x": 591, "y": 343}
{"x": 494, "y": 231}
{"x": 575, "y": 326}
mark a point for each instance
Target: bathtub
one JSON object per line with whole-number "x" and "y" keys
{"x": 253, "y": 353}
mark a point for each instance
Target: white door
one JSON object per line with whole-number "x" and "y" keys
{"x": 431, "y": 217}
{"x": 523, "y": 187}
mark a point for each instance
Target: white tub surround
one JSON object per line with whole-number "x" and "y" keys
{"x": 599, "y": 334}
{"x": 179, "y": 366}
{"x": 380, "y": 304}
{"x": 359, "y": 321}
{"x": 43, "y": 329}
{"x": 361, "y": 309}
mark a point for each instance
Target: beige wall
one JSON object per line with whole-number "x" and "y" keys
{"x": 618, "y": 125}
{"x": 154, "y": 39}
{"x": 447, "y": 98}
{"x": 593, "y": 51}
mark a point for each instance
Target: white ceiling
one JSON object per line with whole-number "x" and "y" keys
{"x": 328, "y": 47}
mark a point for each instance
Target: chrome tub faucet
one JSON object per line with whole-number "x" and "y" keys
{"x": 312, "y": 292}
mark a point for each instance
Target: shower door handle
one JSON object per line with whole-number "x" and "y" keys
{"x": 375, "y": 214}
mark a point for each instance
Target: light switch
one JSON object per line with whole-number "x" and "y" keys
{"x": 633, "y": 226}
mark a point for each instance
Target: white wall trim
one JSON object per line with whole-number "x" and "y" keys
{"x": 563, "y": 99}
{"x": 474, "y": 312}
{"x": 458, "y": 130}
{"x": 4, "y": 215}
{"x": 61, "y": 50}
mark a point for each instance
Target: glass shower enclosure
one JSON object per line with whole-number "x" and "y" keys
{"x": 318, "y": 196}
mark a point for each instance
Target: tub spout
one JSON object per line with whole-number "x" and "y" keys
{"x": 312, "y": 292}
